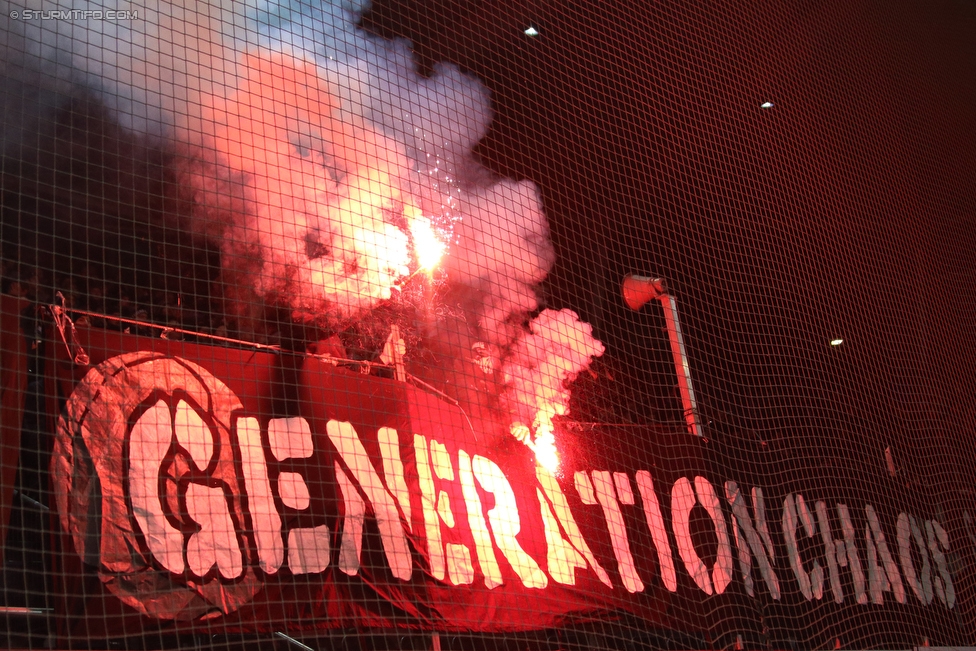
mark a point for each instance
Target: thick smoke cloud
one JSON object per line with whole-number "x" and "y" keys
{"x": 556, "y": 348}
{"x": 315, "y": 156}
{"x": 321, "y": 196}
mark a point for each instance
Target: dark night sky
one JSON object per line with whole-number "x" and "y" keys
{"x": 846, "y": 210}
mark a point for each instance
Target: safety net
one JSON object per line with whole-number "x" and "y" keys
{"x": 484, "y": 324}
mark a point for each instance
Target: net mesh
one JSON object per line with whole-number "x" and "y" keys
{"x": 467, "y": 325}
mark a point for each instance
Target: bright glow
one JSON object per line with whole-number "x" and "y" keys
{"x": 767, "y": 105}
{"x": 531, "y": 31}
{"x": 545, "y": 449}
{"x": 546, "y": 455}
{"x": 426, "y": 244}
{"x": 543, "y": 446}
{"x": 836, "y": 342}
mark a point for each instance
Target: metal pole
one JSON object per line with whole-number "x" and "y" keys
{"x": 688, "y": 402}
{"x": 637, "y": 292}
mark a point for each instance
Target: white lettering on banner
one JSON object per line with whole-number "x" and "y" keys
{"x": 938, "y": 545}
{"x": 193, "y": 435}
{"x": 441, "y": 461}
{"x": 443, "y": 470}
{"x": 758, "y": 505}
{"x": 149, "y": 442}
{"x": 907, "y": 531}
{"x": 850, "y": 557}
{"x": 561, "y": 559}
{"x": 603, "y": 484}
{"x": 389, "y": 441}
{"x": 565, "y": 517}
{"x": 346, "y": 440}
{"x": 208, "y": 539}
{"x": 584, "y": 488}
{"x": 460, "y": 571}
{"x": 886, "y": 576}
{"x": 293, "y": 491}
{"x": 655, "y": 523}
{"x": 811, "y": 585}
{"x": 625, "y": 494}
{"x": 456, "y": 559}
{"x": 722, "y": 571}
{"x": 428, "y": 498}
{"x": 266, "y": 523}
{"x": 290, "y": 438}
{"x": 483, "y": 549}
{"x": 683, "y": 498}
{"x": 831, "y": 552}
{"x": 505, "y": 522}
{"x": 354, "y": 518}
{"x": 309, "y": 549}
{"x": 216, "y": 542}
{"x": 747, "y": 539}
{"x": 682, "y": 502}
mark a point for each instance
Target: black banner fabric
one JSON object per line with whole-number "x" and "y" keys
{"x": 266, "y": 491}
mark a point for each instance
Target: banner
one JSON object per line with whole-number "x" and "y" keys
{"x": 264, "y": 491}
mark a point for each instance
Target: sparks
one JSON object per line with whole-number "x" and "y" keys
{"x": 426, "y": 244}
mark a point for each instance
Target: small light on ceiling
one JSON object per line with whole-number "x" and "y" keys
{"x": 531, "y": 31}
{"x": 836, "y": 342}
{"x": 767, "y": 105}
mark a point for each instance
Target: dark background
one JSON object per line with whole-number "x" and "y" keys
{"x": 845, "y": 211}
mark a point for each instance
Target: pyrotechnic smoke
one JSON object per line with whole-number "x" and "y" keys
{"x": 312, "y": 145}
{"x": 549, "y": 355}
{"x": 324, "y": 193}
{"x": 503, "y": 251}
{"x": 324, "y": 166}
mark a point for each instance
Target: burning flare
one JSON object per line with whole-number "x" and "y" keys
{"x": 428, "y": 248}
{"x": 555, "y": 349}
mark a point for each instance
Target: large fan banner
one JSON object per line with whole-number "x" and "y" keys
{"x": 263, "y": 490}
